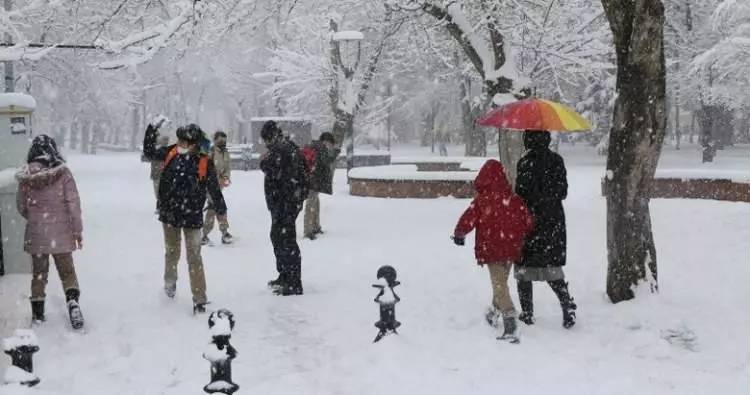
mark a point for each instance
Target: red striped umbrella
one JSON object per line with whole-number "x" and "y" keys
{"x": 535, "y": 114}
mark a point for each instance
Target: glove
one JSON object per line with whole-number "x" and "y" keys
{"x": 459, "y": 241}
{"x": 159, "y": 120}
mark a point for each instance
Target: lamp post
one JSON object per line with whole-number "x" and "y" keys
{"x": 350, "y": 44}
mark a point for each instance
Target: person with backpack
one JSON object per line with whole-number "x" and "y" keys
{"x": 542, "y": 183}
{"x": 286, "y": 188}
{"x": 501, "y": 221}
{"x": 320, "y": 157}
{"x": 187, "y": 178}
{"x": 48, "y": 199}
{"x": 223, "y": 165}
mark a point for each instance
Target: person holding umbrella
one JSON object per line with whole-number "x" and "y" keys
{"x": 542, "y": 183}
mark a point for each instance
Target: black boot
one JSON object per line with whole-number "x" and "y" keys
{"x": 278, "y": 282}
{"x": 560, "y": 287}
{"x": 74, "y": 310}
{"x": 526, "y": 297}
{"x": 37, "y": 311}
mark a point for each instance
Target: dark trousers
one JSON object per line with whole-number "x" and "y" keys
{"x": 526, "y": 294}
{"x": 285, "y": 247}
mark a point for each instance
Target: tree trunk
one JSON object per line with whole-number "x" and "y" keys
{"x": 74, "y": 129}
{"x": 635, "y": 143}
{"x": 85, "y": 137}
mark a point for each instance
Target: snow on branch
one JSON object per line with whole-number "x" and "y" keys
{"x": 152, "y": 39}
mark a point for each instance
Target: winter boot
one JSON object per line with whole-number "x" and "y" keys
{"x": 566, "y": 303}
{"x": 526, "y": 297}
{"x": 199, "y": 308}
{"x": 289, "y": 289}
{"x": 510, "y": 330}
{"x": 492, "y": 316}
{"x": 227, "y": 238}
{"x": 205, "y": 240}
{"x": 569, "y": 314}
{"x": 276, "y": 283}
{"x": 74, "y": 310}
{"x": 170, "y": 290}
{"x": 37, "y": 311}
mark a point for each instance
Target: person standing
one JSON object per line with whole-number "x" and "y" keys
{"x": 188, "y": 176}
{"x": 223, "y": 164}
{"x": 48, "y": 199}
{"x": 157, "y": 165}
{"x": 320, "y": 156}
{"x": 501, "y": 221}
{"x": 542, "y": 183}
{"x": 286, "y": 188}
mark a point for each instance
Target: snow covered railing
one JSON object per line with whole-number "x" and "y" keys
{"x": 407, "y": 181}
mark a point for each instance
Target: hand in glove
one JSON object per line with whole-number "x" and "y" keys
{"x": 158, "y": 121}
{"x": 459, "y": 240}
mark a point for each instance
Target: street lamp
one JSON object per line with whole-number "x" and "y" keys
{"x": 347, "y": 46}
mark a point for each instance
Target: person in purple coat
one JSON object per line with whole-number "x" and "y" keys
{"x": 48, "y": 199}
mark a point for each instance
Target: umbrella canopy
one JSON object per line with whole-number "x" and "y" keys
{"x": 535, "y": 114}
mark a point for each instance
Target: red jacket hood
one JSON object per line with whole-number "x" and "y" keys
{"x": 491, "y": 178}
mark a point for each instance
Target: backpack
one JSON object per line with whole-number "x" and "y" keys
{"x": 310, "y": 155}
{"x": 202, "y": 163}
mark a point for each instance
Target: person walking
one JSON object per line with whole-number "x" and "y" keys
{"x": 48, "y": 199}
{"x": 286, "y": 188}
{"x": 542, "y": 183}
{"x": 223, "y": 164}
{"x": 501, "y": 221}
{"x": 188, "y": 176}
{"x": 320, "y": 156}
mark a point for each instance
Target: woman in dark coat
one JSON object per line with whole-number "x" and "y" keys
{"x": 542, "y": 183}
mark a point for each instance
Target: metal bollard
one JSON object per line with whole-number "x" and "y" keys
{"x": 387, "y": 300}
{"x": 21, "y": 348}
{"x": 220, "y": 353}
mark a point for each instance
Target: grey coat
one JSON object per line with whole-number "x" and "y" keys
{"x": 48, "y": 199}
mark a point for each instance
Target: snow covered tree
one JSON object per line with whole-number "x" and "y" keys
{"x": 635, "y": 142}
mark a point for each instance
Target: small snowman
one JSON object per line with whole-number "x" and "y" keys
{"x": 387, "y": 300}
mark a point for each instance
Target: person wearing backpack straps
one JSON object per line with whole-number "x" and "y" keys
{"x": 187, "y": 178}
{"x": 223, "y": 164}
{"x": 321, "y": 156}
{"x": 286, "y": 187}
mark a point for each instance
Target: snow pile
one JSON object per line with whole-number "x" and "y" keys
{"x": 19, "y": 102}
{"x": 409, "y": 172}
{"x": 348, "y": 35}
{"x": 388, "y": 296}
{"x": 735, "y": 175}
{"x": 222, "y": 326}
{"x": 219, "y": 386}
{"x": 214, "y": 354}
{"x": 17, "y": 375}
{"x": 21, "y": 337}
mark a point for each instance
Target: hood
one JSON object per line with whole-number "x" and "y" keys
{"x": 536, "y": 140}
{"x": 491, "y": 178}
{"x": 36, "y": 175}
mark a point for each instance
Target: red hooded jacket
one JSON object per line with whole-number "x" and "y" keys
{"x": 499, "y": 216}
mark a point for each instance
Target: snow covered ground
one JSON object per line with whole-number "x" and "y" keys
{"x": 689, "y": 339}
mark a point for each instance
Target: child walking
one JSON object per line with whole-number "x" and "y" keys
{"x": 501, "y": 221}
{"x": 48, "y": 199}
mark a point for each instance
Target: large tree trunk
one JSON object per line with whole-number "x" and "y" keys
{"x": 635, "y": 142}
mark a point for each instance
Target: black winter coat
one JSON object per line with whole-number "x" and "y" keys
{"x": 286, "y": 181}
{"x": 182, "y": 195}
{"x": 321, "y": 179}
{"x": 542, "y": 183}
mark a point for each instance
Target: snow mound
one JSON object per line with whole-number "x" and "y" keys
{"x": 214, "y": 354}
{"x": 17, "y": 375}
{"x": 348, "y": 35}
{"x": 16, "y": 102}
{"x": 21, "y": 337}
{"x": 409, "y": 172}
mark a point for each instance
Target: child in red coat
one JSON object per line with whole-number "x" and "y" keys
{"x": 502, "y": 221}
